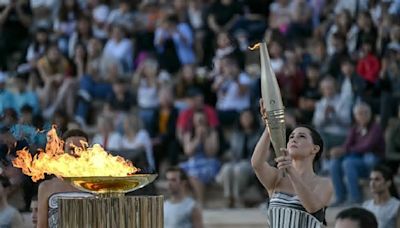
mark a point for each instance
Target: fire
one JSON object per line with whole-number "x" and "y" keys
{"x": 255, "y": 47}
{"x": 94, "y": 161}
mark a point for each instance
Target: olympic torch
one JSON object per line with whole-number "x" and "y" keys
{"x": 272, "y": 102}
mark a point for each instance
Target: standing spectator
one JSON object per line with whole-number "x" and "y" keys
{"x": 9, "y": 216}
{"x": 385, "y": 203}
{"x": 201, "y": 146}
{"x": 363, "y": 148}
{"x": 15, "y": 21}
{"x": 237, "y": 173}
{"x": 180, "y": 210}
{"x": 174, "y": 44}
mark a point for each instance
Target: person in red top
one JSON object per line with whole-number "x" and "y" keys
{"x": 196, "y": 102}
{"x": 368, "y": 65}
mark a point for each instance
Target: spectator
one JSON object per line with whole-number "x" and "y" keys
{"x": 122, "y": 17}
{"x": 232, "y": 89}
{"x": 368, "y": 65}
{"x": 280, "y": 16}
{"x": 200, "y": 146}
{"x": 15, "y": 21}
{"x": 136, "y": 139}
{"x": 66, "y": 22}
{"x": 355, "y": 217}
{"x": 363, "y": 148}
{"x": 55, "y": 71}
{"x": 332, "y": 116}
{"x": 163, "y": 131}
{"x": 310, "y": 94}
{"x": 236, "y": 174}
{"x": 82, "y": 34}
{"x": 385, "y": 203}
{"x": 24, "y": 96}
{"x": 9, "y": 216}
{"x": 109, "y": 139}
{"x": 174, "y": 44}
{"x": 180, "y": 210}
{"x": 146, "y": 82}
{"x": 119, "y": 50}
{"x": 38, "y": 47}
{"x": 196, "y": 103}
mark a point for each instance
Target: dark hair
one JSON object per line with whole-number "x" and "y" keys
{"x": 75, "y": 133}
{"x": 5, "y": 181}
{"x": 387, "y": 174}
{"x": 317, "y": 140}
{"x": 182, "y": 173}
{"x": 364, "y": 217}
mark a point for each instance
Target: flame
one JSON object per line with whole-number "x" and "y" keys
{"x": 254, "y": 47}
{"x": 94, "y": 161}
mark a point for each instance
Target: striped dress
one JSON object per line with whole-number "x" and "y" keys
{"x": 286, "y": 211}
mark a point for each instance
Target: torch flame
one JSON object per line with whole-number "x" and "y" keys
{"x": 254, "y": 47}
{"x": 94, "y": 161}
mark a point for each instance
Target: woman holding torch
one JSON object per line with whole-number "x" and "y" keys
{"x": 298, "y": 197}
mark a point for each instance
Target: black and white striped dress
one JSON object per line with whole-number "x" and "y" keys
{"x": 286, "y": 211}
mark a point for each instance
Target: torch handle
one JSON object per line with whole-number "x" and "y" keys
{"x": 277, "y": 130}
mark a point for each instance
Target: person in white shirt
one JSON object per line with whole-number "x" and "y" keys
{"x": 109, "y": 139}
{"x": 180, "y": 209}
{"x": 384, "y": 203}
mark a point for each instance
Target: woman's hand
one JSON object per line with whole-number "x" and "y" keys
{"x": 284, "y": 162}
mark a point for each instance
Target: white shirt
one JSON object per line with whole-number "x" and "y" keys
{"x": 142, "y": 139}
{"x": 121, "y": 51}
{"x": 229, "y": 96}
{"x": 147, "y": 97}
{"x": 113, "y": 141}
{"x": 385, "y": 213}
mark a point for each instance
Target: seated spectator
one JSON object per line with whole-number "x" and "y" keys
{"x": 66, "y": 22}
{"x": 136, "y": 139}
{"x": 24, "y": 96}
{"x": 180, "y": 209}
{"x": 200, "y": 146}
{"x": 310, "y": 94}
{"x": 332, "y": 115}
{"x": 122, "y": 16}
{"x": 385, "y": 202}
{"x": 146, "y": 82}
{"x": 38, "y": 47}
{"x": 196, "y": 103}
{"x": 236, "y": 174}
{"x": 109, "y": 139}
{"x": 82, "y": 34}
{"x": 9, "y": 216}
{"x": 363, "y": 148}
{"x": 119, "y": 50}
{"x": 232, "y": 88}
{"x": 163, "y": 131}
{"x": 55, "y": 71}
{"x": 368, "y": 66}
{"x": 174, "y": 44}
{"x": 355, "y": 217}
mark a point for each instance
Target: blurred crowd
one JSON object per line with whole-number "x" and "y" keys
{"x": 174, "y": 82}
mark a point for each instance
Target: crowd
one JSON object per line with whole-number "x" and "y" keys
{"x": 174, "y": 83}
